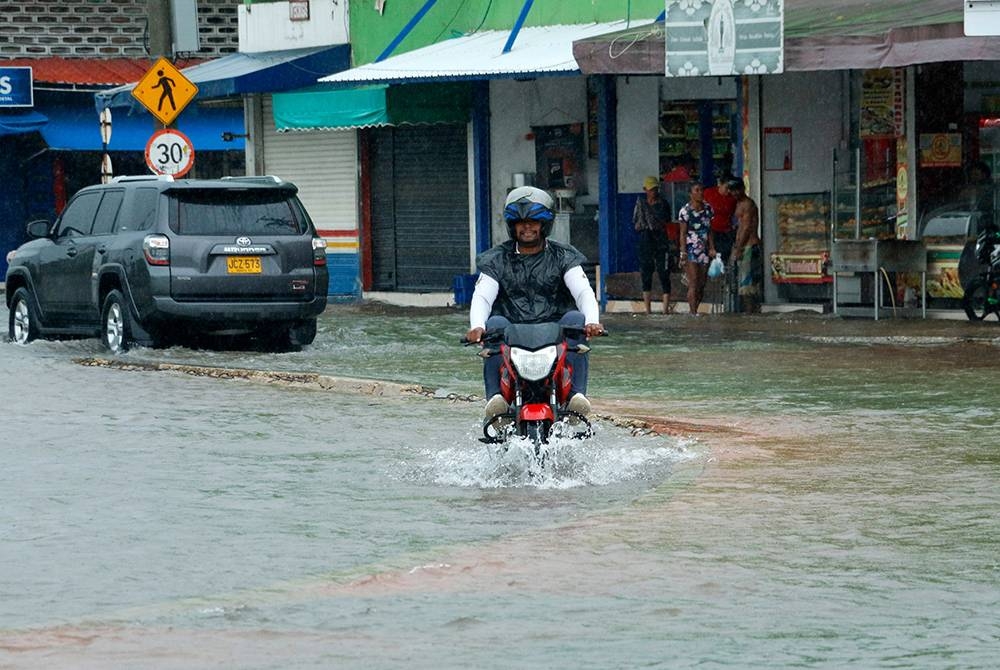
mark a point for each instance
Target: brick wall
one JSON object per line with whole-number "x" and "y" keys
{"x": 102, "y": 28}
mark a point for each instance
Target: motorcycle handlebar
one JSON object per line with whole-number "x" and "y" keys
{"x": 465, "y": 341}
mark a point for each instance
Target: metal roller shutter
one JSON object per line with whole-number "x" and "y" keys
{"x": 420, "y": 207}
{"x": 323, "y": 164}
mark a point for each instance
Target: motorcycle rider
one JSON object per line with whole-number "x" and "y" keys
{"x": 532, "y": 279}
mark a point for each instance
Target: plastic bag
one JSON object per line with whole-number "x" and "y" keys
{"x": 716, "y": 267}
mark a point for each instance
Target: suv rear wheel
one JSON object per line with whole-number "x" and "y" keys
{"x": 116, "y": 323}
{"x": 22, "y": 327}
{"x": 302, "y": 333}
{"x": 288, "y": 336}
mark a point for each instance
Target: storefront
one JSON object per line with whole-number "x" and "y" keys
{"x": 323, "y": 164}
{"x": 665, "y": 126}
{"x": 530, "y": 120}
{"x": 366, "y": 160}
{"x": 870, "y": 127}
{"x": 911, "y": 157}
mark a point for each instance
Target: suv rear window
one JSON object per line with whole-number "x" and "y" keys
{"x": 235, "y": 212}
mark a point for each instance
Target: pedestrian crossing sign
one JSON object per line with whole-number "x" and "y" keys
{"x": 164, "y": 91}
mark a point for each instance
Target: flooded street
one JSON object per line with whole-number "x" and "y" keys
{"x": 824, "y": 493}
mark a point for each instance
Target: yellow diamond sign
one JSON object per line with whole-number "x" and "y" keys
{"x": 164, "y": 91}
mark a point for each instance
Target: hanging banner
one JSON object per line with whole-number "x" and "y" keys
{"x": 724, "y": 37}
{"x": 879, "y": 116}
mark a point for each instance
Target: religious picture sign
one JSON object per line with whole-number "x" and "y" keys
{"x": 724, "y": 37}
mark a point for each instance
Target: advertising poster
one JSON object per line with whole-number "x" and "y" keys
{"x": 16, "y": 87}
{"x": 560, "y": 157}
{"x": 941, "y": 150}
{"x": 878, "y": 103}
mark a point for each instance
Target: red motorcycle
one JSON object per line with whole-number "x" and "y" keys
{"x": 535, "y": 380}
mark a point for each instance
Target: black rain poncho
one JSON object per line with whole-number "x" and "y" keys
{"x": 532, "y": 289}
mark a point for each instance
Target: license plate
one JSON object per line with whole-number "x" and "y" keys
{"x": 243, "y": 265}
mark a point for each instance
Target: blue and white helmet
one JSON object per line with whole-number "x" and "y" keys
{"x": 528, "y": 203}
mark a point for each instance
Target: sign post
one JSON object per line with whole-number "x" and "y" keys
{"x": 106, "y": 172}
{"x": 164, "y": 91}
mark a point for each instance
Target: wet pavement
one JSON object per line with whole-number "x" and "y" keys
{"x": 793, "y": 490}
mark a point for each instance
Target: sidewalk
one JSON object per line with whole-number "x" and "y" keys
{"x": 941, "y": 326}
{"x": 808, "y": 323}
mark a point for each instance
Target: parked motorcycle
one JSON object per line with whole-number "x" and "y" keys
{"x": 535, "y": 380}
{"x": 981, "y": 296}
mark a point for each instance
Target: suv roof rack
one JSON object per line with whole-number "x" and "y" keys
{"x": 259, "y": 179}
{"x": 142, "y": 177}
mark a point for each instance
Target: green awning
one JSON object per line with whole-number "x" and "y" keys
{"x": 319, "y": 109}
{"x": 367, "y": 106}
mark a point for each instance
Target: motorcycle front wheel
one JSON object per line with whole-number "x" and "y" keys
{"x": 975, "y": 299}
{"x": 537, "y": 432}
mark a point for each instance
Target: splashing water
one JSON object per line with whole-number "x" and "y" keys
{"x": 610, "y": 456}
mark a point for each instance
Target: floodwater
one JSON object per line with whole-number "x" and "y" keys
{"x": 827, "y": 495}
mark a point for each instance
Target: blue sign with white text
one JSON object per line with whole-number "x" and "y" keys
{"x": 15, "y": 87}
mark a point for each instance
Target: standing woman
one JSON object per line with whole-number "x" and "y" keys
{"x": 649, "y": 218}
{"x": 698, "y": 244}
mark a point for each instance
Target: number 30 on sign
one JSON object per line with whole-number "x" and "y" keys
{"x": 169, "y": 151}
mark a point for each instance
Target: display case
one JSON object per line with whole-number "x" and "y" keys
{"x": 864, "y": 195}
{"x": 803, "y": 238}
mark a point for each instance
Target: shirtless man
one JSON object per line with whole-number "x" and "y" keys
{"x": 747, "y": 252}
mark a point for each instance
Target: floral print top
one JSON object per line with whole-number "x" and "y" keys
{"x": 698, "y": 226}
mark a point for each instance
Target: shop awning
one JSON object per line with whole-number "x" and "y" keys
{"x": 821, "y": 35}
{"x": 76, "y": 128}
{"x": 15, "y": 123}
{"x": 537, "y": 51}
{"x": 240, "y": 73}
{"x": 80, "y": 72}
{"x": 369, "y": 106}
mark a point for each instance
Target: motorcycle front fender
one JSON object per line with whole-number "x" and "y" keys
{"x": 537, "y": 411}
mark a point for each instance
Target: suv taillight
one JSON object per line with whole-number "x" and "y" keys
{"x": 319, "y": 251}
{"x": 156, "y": 248}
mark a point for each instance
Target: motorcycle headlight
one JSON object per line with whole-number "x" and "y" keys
{"x": 533, "y": 365}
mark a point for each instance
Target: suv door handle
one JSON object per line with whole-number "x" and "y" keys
{"x": 72, "y": 251}
{"x": 102, "y": 249}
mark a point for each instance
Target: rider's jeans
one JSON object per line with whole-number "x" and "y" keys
{"x": 579, "y": 362}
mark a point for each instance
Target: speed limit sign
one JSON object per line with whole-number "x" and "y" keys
{"x": 169, "y": 151}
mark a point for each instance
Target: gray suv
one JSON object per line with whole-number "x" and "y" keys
{"x": 148, "y": 260}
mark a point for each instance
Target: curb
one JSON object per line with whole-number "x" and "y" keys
{"x": 375, "y": 388}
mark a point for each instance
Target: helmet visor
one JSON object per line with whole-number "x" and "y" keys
{"x": 525, "y": 210}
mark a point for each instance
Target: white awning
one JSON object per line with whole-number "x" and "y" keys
{"x": 537, "y": 51}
